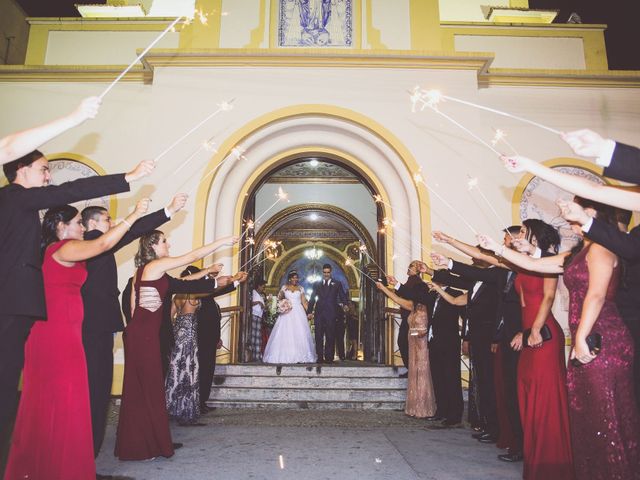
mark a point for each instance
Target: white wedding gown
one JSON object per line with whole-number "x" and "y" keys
{"x": 290, "y": 340}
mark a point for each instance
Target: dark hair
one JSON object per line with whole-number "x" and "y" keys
{"x": 291, "y": 274}
{"x": 624, "y": 216}
{"x": 91, "y": 213}
{"x": 326, "y": 265}
{"x": 190, "y": 270}
{"x": 50, "y": 222}
{"x": 259, "y": 282}
{"x": 605, "y": 213}
{"x": 513, "y": 229}
{"x": 546, "y": 236}
{"x": 11, "y": 169}
{"x": 145, "y": 252}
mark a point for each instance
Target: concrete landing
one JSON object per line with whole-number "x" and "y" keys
{"x": 314, "y": 445}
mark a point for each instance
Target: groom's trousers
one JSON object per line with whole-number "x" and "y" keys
{"x": 325, "y": 337}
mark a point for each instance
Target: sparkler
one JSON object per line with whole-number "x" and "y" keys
{"x": 500, "y": 136}
{"x": 282, "y": 197}
{"x": 363, "y": 249}
{"x": 349, "y": 263}
{"x": 473, "y": 184}
{"x": 144, "y": 52}
{"x": 431, "y": 98}
{"x": 417, "y": 177}
{"x": 236, "y": 153}
{"x": 222, "y": 107}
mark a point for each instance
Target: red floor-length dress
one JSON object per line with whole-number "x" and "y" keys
{"x": 52, "y": 438}
{"x": 542, "y": 393}
{"x": 604, "y": 421}
{"x": 143, "y": 424}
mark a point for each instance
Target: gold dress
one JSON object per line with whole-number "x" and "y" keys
{"x": 421, "y": 401}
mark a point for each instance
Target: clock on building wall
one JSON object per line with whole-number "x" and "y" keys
{"x": 66, "y": 170}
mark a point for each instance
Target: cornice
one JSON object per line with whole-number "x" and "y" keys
{"x": 478, "y": 61}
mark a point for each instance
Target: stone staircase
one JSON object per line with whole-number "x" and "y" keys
{"x": 307, "y": 387}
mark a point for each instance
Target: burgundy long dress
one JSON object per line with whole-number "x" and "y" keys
{"x": 604, "y": 419}
{"x": 52, "y": 438}
{"x": 542, "y": 393}
{"x": 143, "y": 424}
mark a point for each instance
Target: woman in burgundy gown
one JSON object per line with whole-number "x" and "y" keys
{"x": 143, "y": 423}
{"x": 605, "y": 427}
{"x": 52, "y": 438}
{"x": 604, "y": 421}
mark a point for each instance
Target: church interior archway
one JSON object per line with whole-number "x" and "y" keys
{"x": 332, "y": 219}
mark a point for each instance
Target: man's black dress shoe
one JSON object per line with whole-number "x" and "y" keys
{"x": 177, "y": 445}
{"x": 511, "y": 457}
{"x": 404, "y": 375}
{"x": 196, "y": 424}
{"x": 328, "y": 362}
{"x": 479, "y": 434}
{"x": 435, "y": 418}
{"x": 487, "y": 438}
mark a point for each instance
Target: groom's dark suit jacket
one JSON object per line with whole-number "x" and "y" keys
{"x": 327, "y": 299}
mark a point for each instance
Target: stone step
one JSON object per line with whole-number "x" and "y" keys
{"x": 311, "y": 405}
{"x": 304, "y": 394}
{"x": 306, "y": 370}
{"x": 311, "y": 382}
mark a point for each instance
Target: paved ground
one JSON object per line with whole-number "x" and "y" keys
{"x": 311, "y": 444}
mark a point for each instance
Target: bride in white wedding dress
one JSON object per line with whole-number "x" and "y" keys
{"x": 290, "y": 340}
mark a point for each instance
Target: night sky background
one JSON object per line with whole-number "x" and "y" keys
{"x": 624, "y": 25}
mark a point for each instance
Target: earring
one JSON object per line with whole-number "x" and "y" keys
{"x": 64, "y": 235}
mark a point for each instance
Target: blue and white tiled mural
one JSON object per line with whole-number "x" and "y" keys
{"x": 315, "y": 23}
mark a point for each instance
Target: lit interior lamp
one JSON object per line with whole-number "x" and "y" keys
{"x": 314, "y": 163}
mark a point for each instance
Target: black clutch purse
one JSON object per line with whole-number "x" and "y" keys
{"x": 594, "y": 342}
{"x": 545, "y": 332}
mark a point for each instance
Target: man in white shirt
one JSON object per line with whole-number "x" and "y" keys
{"x": 257, "y": 311}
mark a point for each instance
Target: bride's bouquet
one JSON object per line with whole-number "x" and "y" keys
{"x": 284, "y": 306}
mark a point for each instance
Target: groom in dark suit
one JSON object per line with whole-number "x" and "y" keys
{"x": 327, "y": 297}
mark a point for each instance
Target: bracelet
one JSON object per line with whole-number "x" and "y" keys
{"x": 126, "y": 222}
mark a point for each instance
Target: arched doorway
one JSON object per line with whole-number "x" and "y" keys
{"x": 333, "y": 219}
{"x": 278, "y": 137}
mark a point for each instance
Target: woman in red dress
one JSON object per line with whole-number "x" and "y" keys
{"x": 143, "y": 423}
{"x": 542, "y": 391}
{"x": 52, "y": 438}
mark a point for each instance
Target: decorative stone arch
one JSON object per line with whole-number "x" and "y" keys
{"x": 344, "y": 136}
{"x": 350, "y": 138}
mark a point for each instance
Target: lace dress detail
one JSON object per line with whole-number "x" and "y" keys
{"x": 182, "y": 384}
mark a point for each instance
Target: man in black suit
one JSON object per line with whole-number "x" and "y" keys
{"x": 507, "y": 330}
{"x": 327, "y": 296}
{"x": 102, "y": 318}
{"x": 444, "y": 356}
{"x": 21, "y": 284}
{"x": 209, "y": 318}
{"x": 481, "y": 314}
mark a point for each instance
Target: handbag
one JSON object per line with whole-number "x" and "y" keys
{"x": 545, "y": 332}
{"x": 594, "y": 342}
